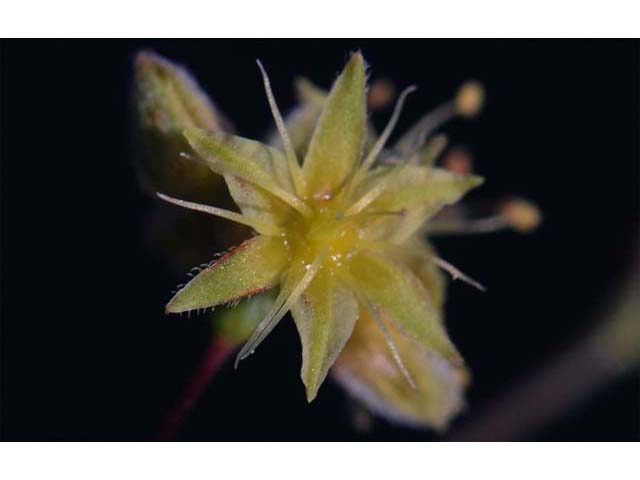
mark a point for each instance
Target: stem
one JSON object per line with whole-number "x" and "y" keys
{"x": 213, "y": 359}
{"x": 589, "y": 364}
{"x": 540, "y": 399}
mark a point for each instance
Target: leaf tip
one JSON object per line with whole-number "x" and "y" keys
{"x": 357, "y": 61}
{"x": 170, "y": 307}
{"x": 475, "y": 180}
{"x": 357, "y": 55}
{"x": 178, "y": 303}
{"x": 311, "y": 392}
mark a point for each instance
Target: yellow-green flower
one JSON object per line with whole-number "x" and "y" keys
{"x": 338, "y": 235}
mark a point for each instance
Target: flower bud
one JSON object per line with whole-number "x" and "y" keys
{"x": 167, "y": 100}
{"x": 235, "y": 324}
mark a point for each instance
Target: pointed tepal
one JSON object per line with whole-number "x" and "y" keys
{"x": 325, "y": 316}
{"x": 249, "y": 160}
{"x": 248, "y": 269}
{"x": 400, "y": 294}
{"x": 337, "y": 142}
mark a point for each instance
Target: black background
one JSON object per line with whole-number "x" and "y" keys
{"x": 87, "y": 353}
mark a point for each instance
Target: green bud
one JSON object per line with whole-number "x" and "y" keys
{"x": 235, "y": 324}
{"x": 167, "y": 100}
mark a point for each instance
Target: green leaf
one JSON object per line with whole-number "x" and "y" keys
{"x": 402, "y": 296}
{"x": 324, "y": 315}
{"x": 250, "y": 268}
{"x": 337, "y": 142}
{"x": 416, "y": 254}
{"x": 367, "y": 370}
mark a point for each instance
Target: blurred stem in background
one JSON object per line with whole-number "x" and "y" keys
{"x": 588, "y": 365}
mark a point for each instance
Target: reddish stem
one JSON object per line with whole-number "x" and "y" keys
{"x": 213, "y": 359}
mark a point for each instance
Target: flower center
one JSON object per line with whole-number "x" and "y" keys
{"x": 327, "y": 230}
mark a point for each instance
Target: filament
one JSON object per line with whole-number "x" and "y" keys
{"x": 414, "y": 139}
{"x": 494, "y": 223}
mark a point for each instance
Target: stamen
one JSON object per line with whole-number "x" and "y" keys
{"x": 282, "y": 305}
{"x": 382, "y": 139}
{"x": 292, "y": 160}
{"x": 427, "y": 155}
{"x": 469, "y": 99}
{"x": 467, "y": 103}
{"x": 516, "y": 213}
{"x": 522, "y": 215}
{"x": 491, "y": 224}
{"x": 261, "y": 227}
{"x": 415, "y": 138}
{"x": 457, "y": 274}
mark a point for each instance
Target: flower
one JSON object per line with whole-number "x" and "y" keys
{"x": 340, "y": 236}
